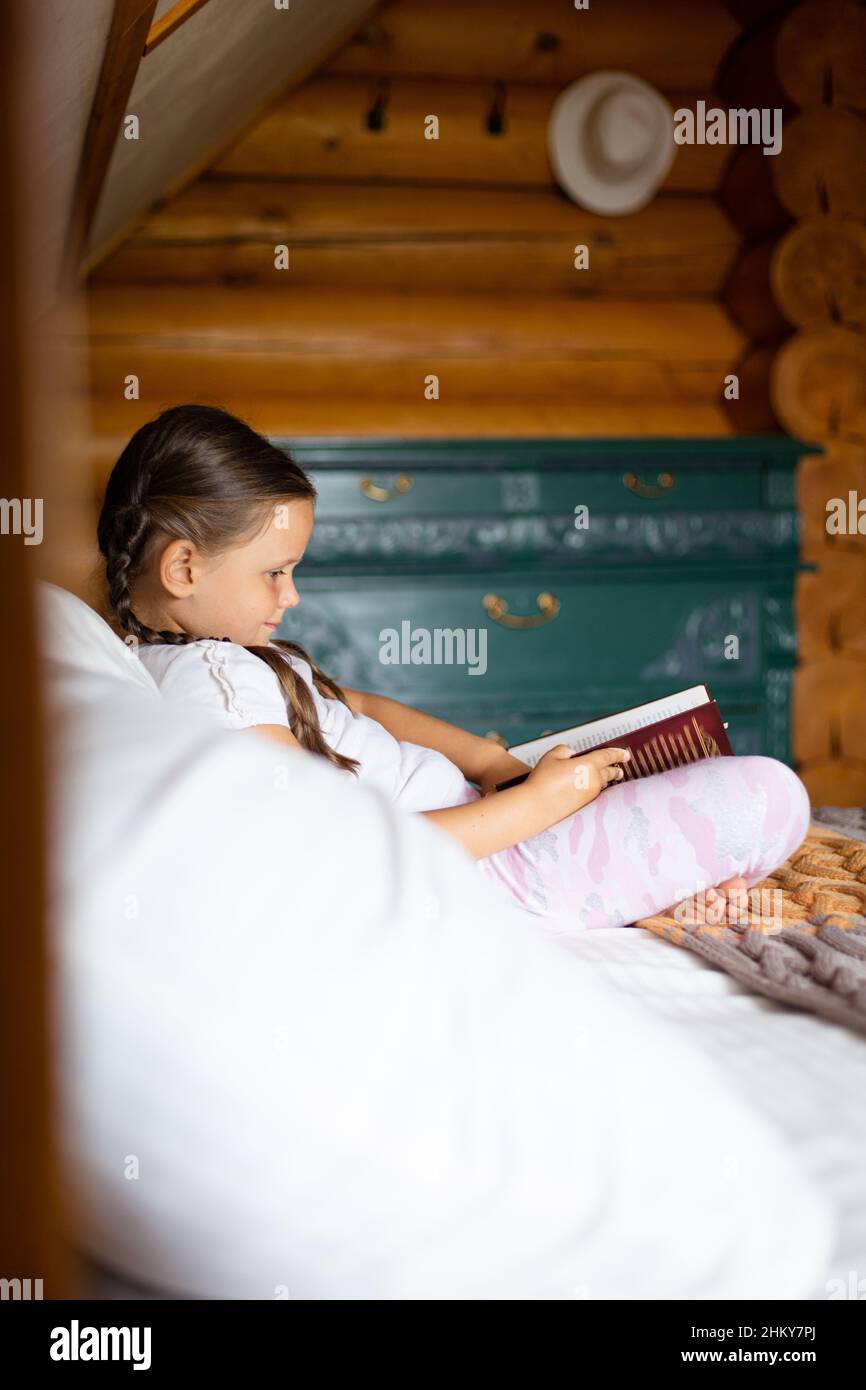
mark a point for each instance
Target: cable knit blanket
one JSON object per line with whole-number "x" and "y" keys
{"x": 802, "y": 939}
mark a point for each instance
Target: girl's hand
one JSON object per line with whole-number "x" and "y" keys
{"x": 559, "y": 785}
{"x": 569, "y": 782}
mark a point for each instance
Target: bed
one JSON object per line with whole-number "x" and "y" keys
{"x": 287, "y": 1070}
{"x": 807, "y": 1075}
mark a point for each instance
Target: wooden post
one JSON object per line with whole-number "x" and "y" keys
{"x": 748, "y": 197}
{"x": 748, "y": 296}
{"x": 754, "y": 11}
{"x": 811, "y": 275}
{"x": 817, "y": 272}
{"x": 818, "y": 386}
{"x": 821, "y": 54}
{"x": 820, "y": 167}
{"x": 747, "y": 75}
{"x": 32, "y": 1248}
{"x": 751, "y": 412}
{"x": 829, "y": 730}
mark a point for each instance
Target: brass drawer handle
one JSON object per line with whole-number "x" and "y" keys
{"x": 402, "y": 483}
{"x": 496, "y": 737}
{"x": 496, "y": 608}
{"x": 665, "y": 482}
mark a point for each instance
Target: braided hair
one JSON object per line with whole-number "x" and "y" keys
{"x": 200, "y": 474}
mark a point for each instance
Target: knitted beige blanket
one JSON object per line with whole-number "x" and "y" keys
{"x": 802, "y": 937}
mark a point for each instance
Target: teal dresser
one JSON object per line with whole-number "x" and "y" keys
{"x": 683, "y": 546}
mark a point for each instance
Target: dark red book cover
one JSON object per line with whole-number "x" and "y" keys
{"x": 681, "y": 738}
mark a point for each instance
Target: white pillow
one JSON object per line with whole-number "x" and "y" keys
{"x": 81, "y": 650}
{"x": 305, "y": 1052}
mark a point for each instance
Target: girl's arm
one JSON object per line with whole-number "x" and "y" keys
{"x": 493, "y": 822}
{"x": 509, "y": 817}
{"x": 479, "y": 759}
{"x": 557, "y": 786}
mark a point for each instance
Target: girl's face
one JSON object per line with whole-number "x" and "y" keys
{"x": 242, "y": 593}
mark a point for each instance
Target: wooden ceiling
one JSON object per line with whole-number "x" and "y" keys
{"x": 194, "y": 73}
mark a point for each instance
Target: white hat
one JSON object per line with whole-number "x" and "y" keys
{"x": 611, "y": 141}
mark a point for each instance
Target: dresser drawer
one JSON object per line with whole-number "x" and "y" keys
{"x": 689, "y": 544}
{"x": 382, "y": 492}
{"x": 543, "y": 639}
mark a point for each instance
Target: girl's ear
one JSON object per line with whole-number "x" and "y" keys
{"x": 177, "y": 568}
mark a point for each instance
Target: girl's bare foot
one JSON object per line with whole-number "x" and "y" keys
{"x": 727, "y": 901}
{"x": 732, "y": 896}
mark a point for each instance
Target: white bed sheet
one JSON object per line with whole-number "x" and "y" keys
{"x": 805, "y": 1075}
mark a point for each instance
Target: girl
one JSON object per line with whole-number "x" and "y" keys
{"x": 203, "y": 524}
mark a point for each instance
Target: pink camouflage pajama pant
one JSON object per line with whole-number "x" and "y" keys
{"x": 643, "y": 845}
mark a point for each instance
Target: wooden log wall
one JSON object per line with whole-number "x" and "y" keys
{"x": 798, "y": 289}
{"x": 818, "y": 277}
{"x": 409, "y": 257}
{"x": 454, "y": 256}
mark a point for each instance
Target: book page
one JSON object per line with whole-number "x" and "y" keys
{"x": 584, "y": 736}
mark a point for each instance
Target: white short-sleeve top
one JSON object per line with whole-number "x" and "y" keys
{"x": 237, "y": 690}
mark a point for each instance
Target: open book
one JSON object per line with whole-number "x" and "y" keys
{"x": 663, "y": 734}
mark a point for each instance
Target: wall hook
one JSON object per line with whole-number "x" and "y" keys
{"x": 827, "y": 86}
{"x": 376, "y": 114}
{"x": 496, "y": 115}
